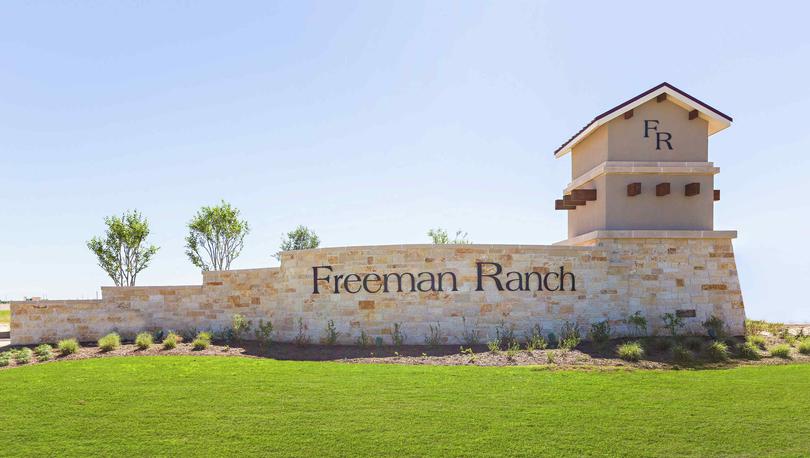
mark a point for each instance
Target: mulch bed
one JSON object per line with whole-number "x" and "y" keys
{"x": 586, "y": 356}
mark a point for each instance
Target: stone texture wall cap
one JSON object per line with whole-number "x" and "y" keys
{"x": 647, "y": 234}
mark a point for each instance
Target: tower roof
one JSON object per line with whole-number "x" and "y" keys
{"x": 717, "y": 119}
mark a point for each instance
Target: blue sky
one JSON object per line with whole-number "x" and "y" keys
{"x": 372, "y": 122}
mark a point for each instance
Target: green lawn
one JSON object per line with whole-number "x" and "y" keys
{"x": 180, "y": 406}
{"x": 5, "y": 316}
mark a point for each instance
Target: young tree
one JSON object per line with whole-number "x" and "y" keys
{"x": 122, "y": 253}
{"x": 216, "y": 236}
{"x": 300, "y": 238}
{"x": 440, "y": 237}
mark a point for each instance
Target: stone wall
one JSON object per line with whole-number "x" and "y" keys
{"x": 614, "y": 278}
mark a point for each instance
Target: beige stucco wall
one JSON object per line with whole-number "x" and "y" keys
{"x": 590, "y": 152}
{"x": 591, "y": 216}
{"x": 614, "y": 278}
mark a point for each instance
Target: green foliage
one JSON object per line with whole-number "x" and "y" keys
{"x": 534, "y": 339}
{"x": 240, "y": 326}
{"x": 717, "y": 351}
{"x": 757, "y": 340}
{"x": 553, "y": 341}
{"x": 673, "y": 323}
{"x": 660, "y": 344}
{"x": 505, "y": 334}
{"x": 263, "y": 334}
{"x": 200, "y": 344}
{"x": 749, "y": 350}
{"x": 206, "y": 335}
{"x": 363, "y": 339}
{"x": 435, "y": 336}
{"x": 122, "y": 252}
{"x": 600, "y": 332}
{"x": 569, "y": 336}
{"x": 397, "y": 337}
{"x": 143, "y": 341}
{"x": 300, "y": 238}
{"x": 494, "y": 346}
{"x": 470, "y": 336}
{"x": 109, "y": 342}
{"x": 694, "y": 344}
{"x": 468, "y": 352}
{"x": 68, "y": 346}
{"x": 23, "y": 355}
{"x": 681, "y": 354}
{"x": 5, "y": 358}
{"x": 512, "y": 350}
{"x": 170, "y": 341}
{"x": 330, "y": 334}
{"x": 715, "y": 327}
{"x": 781, "y": 351}
{"x": 630, "y": 351}
{"x": 44, "y": 352}
{"x": 754, "y": 327}
{"x": 804, "y": 347}
{"x": 639, "y": 323}
{"x": 439, "y": 236}
{"x": 216, "y": 237}
{"x": 301, "y": 338}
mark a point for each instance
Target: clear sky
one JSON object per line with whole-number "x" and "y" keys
{"x": 372, "y": 122}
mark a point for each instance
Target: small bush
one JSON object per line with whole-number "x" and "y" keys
{"x": 535, "y": 340}
{"x": 363, "y": 340}
{"x": 143, "y": 341}
{"x": 200, "y": 344}
{"x": 302, "y": 339}
{"x": 23, "y": 355}
{"x": 109, "y": 342}
{"x": 694, "y": 344}
{"x": 804, "y": 347}
{"x": 630, "y": 351}
{"x": 5, "y": 358}
{"x": 494, "y": 346}
{"x": 505, "y": 334}
{"x": 681, "y": 354}
{"x": 68, "y": 346}
{"x": 600, "y": 333}
{"x": 749, "y": 350}
{"x": 639, "y": 324}
{"x": 714, "y": 327}
{"x": 471, "y": 336}
{"x": 717, "y": 351}
{"x": 757, "y": 340}
{"x": 397, "y": 336}
{"x": 239, "y": 326}
{"x": 513, "y": 350}
{"x": 435, "y": 337}
{"x": 553, "y": 341}
{"x": 264, "y": 334}
{"x": 569, "y": 336}
{"x": 754, "y": 327}
{"x": 673, "y": 323}
{"x": 44, "y": 352}
{"x": 781, "y": 351}
{"x": 330, "y": 334}
{"x": 205, "y": 335}
{"x": 170, "y": 341}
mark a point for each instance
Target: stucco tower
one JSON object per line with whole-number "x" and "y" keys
{"x": 644, "y": 167}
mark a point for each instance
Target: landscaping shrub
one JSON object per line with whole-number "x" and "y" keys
{"x": 109, "y": 342}
{"x": 754, "y": 327}
{"x": 639, "y": 324}
{"x": 143, "y": 341}
{"x": 717, "y": 351}
{"x": 672, "y": 322}
{"x": 397, "y": 337}
{"x": 435, "y": 337}
{"x": 471, "y": 336}
{"x": 263, "y": 334}
{"x": 240, "y": 325}
{"x": 23, "y": 355}
{"x": 494, "y": 346}
{"x": 202, "y": 341}
{"x": 505, "y": 334}
{"x": 553, "y": 341}
{"x": 68, "y": 346}
{"x": 757, "y": 340}
{"x": 513, "y": 350}
{"x": 749, "y": 350}
{"x": 5, "y": 358}
{"x": 44, "y": 352}
{"x": 600, "y": 332}
{"x": 170, "y": 341}
{"x": 535, "y": 340}
{"x": 714, "y": 327}
{"x": 301, "y": 339}
{"x": 681, "y": 354}
{"x": 569, "y": 336}
{"x": 630, "y": 351}
{"x": 781, "y": 351}
{"x": 364, "y": 340}
{"x": 804, "y": 347}
{"x": 330, "y": 334}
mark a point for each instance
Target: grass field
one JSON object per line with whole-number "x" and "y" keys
{"x": 5, "y": 316}
{"x": 219, "y": 405}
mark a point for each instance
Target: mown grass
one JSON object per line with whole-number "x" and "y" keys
{"x": 215, "y": 406}
{"x": 5, "y": 316}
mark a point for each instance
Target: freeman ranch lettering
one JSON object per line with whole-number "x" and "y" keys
{"x": 488, "y": 274}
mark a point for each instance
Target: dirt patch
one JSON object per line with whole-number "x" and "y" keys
{"x": 658, "y": 355}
